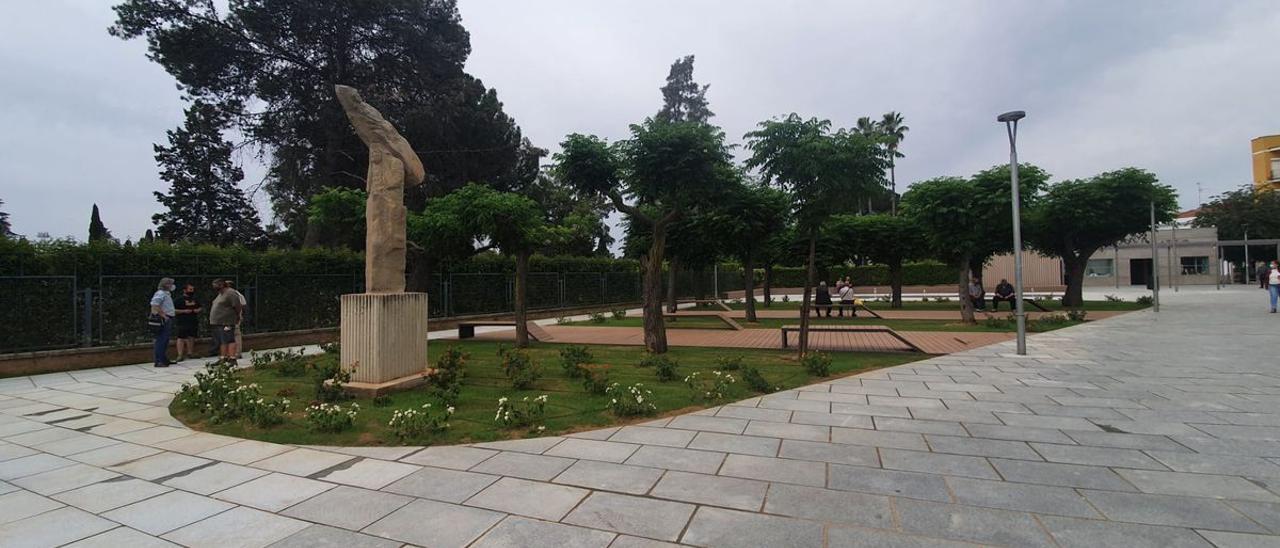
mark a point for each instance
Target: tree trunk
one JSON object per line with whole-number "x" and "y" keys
{"x": 966, "y": 305}
{"x": 805, "y": 303}
{"x": 895, "y": 283}
{"x": 768, "y": 285}
{"x": 672, "y": 266}
{"x": 893, "y": 189}
{"x": 1073, "y": 297}
{"x": 522, "y": 301}
{"x": 749, "y": 286}
{"x": 655, "y": 332}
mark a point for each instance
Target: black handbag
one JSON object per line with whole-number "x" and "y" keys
{"x": 155, "y": 322}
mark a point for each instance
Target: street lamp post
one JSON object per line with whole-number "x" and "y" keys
{"x": 1247, "y": 266}
{"x": 1010, "y": 120}
{"x": 1155, "y": 263}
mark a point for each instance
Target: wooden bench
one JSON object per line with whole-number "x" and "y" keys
{"x": 857, "y": 306}
{"x": 716, "y": 302}
{"x": 467, "y": 329}
{"x": 852, "y": 329}
{"x": 733, "y": 324}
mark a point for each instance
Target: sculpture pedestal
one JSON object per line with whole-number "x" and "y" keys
{"x": 384, "y": 337}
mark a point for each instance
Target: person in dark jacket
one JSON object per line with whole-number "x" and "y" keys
{"x": 822, "y": 300}
{"x": 1261, "y": 272}
{"x": 1004, "y": 293}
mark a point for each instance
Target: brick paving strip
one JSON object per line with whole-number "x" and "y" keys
{"x": 1134, "y": 431}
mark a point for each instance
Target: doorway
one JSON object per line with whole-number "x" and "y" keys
{"x": 1140, "y": 272}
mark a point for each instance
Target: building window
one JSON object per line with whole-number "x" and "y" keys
{"x": 1195, "y": 266}
{"x": 1275, "y": 169}
{"x": 1099, "y": 268}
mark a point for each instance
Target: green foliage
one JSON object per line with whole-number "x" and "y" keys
{"x": 203, "y": 203}
{"x": 219, "y": 394}
{"x": 683, "y": 100}
{"x": 418, "y": 423}
{"x": 1113, "y": 298}
{"x": 523, "y": 412}
{"x": 756, "y": 381}
{"x": 382, "y": 401}
{"x": 1077, "y": 314}
{"x": 619, "y": 313}
{"x": 664, "y": 366}
{"x": 998, "y": 322}
{"x": 598, "y": 317}
{"x": 572, "y": 360}
{"x": 712, "y": 388}
{"x": 446, "y": 379}
{"x": 331, "y": 417}
{"x": 1145, "y": 300}
{"x": 630, "y": 401}
{"x": 729, "y": 363}
{"x": 519, "y": 367}
{"x": 337, "y": 214}
{"x": 6, "y": 229}
{"x": 817, "y": 364}
{"x": 1232, "y": 211}
{"x": 97, "y": 231}
{"x": 595, "y": 378}
{"x": 329, "y": 378}
{"x": 285, "y": 363}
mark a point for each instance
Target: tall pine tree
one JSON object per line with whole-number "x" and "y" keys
{"x": 203, "y": 204}
{"x": 6, "y": 229}
{"x": 97, "y": 231}
{"x": 683, "y": 100}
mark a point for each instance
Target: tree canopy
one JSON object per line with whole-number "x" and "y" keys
{"x": 1076, "y": 218}
{"x": 6, "y": 229}
{"x": 203, "y": 203}
{"x": 273, "y": 64}
{"x": 683, "y": 100}
{"x": 1233, "y": 211}
{"x": 97, "y": 230}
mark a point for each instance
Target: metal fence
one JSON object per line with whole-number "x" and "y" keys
{"x": 52, "y": 312}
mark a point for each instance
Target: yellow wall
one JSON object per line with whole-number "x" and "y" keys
{"x": 1264, "y": 150}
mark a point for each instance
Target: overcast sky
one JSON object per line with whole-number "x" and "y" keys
{"x": 1175, "y": 87}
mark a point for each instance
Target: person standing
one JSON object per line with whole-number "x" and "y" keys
{"x": 1261, "y": 274}
{"x": 161, "y": 320}
{"x": 1273, "y": 284}
{"x": 187, "y": 321}
{"x": 224, "y": 314}
{"x": 244, "y": 303}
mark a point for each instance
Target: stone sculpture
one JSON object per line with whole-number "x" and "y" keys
{"x": 384, "y": 329}
{"x": 393, "y": 165}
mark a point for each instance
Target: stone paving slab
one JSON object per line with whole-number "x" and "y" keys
{"x": 1122, "y": 432}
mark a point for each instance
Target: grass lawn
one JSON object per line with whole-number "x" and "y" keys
{"x": 862, "y": 319}
{"x": 953, "y": 304}
{"x": 570, "y": 408}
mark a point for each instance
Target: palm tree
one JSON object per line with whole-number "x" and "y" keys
{"x": 894, "y": 131}
{"x": 866, "y": 127}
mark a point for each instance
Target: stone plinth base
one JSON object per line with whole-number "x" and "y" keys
{"x": 384, "y": 340}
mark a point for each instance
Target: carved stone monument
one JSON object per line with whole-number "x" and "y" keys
{"x": 384, "y": 329}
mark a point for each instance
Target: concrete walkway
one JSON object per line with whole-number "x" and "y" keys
{"x": 1134, "y": 431}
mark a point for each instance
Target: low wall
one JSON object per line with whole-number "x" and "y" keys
{"x": 73, "y": 359}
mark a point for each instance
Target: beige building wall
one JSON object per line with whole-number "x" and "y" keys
{"x": 1039, "y": 273}
{"x": 1194, "y": 261}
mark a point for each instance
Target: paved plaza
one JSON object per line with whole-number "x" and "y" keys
{"x": 1139, "y": 430}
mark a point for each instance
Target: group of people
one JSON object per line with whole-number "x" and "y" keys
{"x": 1004, "y": 293}
{"x": 1269, "y": 279}
{"x": 226, "y": 313}
{"x": 822, "y": 300}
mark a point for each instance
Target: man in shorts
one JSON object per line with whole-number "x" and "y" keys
{"x": 224, "y": 315}
{"x": 243, "y": 305}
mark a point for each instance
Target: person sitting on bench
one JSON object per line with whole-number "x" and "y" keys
{"x": 977, "y": 294}
{"x": 822, "y": 300}
{"x": 1004, "y": 292}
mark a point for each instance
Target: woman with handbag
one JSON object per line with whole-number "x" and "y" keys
{"x": 161, "y": 320}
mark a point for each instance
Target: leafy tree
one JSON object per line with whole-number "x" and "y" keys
{"x": 1232, "y": 211}
{"x": 943, "y": 209}
{"x": 992, "y": 204}
{"x": 894, "y": 131}
{"x": 683, "y": 100}
{"x": 97, "y": 231}
{"x": 337, "y": 214}
{"x": 512, "y": 222}
{"x": 583, "y": 220}
{"x": 749, "y": 217}
{"x": 886, "y": 239}
{"x": 6, "y": 229}
{"x": 1076, "y": 218}
{"x": 203, "y": 204}
{"x": 668, "y": 170}
{"x": 273, "y": 63}
{"x": 825, "y": 173}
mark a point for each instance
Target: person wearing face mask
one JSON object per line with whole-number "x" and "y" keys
{"x": 161, "y": 320}
{"x": 1273, "y": 284}
{"x": 187, "y": 321}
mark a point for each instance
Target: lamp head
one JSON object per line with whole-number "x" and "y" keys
{"x": 1011, "y": 116}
